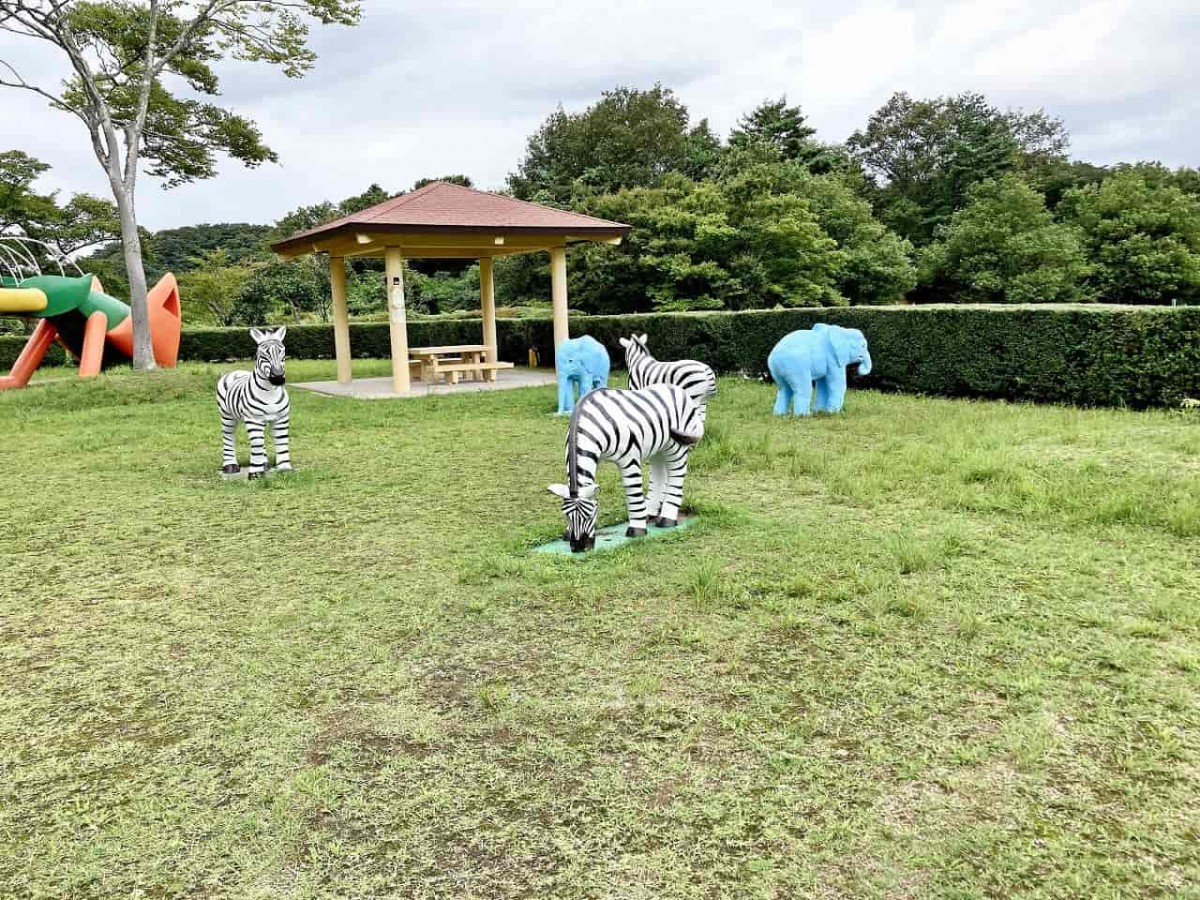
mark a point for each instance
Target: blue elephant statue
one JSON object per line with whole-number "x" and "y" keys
{"x": 581, "y": 361}
{"x": 820, "y": 356}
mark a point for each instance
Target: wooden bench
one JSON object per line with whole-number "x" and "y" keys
{"x": 486, "y": 370}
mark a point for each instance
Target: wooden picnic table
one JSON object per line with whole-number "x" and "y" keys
{"x": 455, "y": 359}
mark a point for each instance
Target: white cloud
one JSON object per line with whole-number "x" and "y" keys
{"x": 426, "y": 88}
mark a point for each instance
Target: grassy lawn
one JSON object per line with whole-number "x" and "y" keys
{"x": 924, "y": 649}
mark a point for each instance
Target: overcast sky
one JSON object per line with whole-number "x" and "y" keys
{"x": 433, "y": 87}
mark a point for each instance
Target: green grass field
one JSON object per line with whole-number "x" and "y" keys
{"x": 927, "y": 648}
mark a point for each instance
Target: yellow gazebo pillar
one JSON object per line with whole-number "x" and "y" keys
{"x": 397, "y": 319}
{"x": 341, "y": 319}
{"x": 487, "y": 304}
{"x": 558, "y": 293}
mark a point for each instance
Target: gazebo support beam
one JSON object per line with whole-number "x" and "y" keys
{"x": 397, "y": 319}
{"x": 487, "y": 305}
{"x": 341, "y": 320}
{"x": 558, "y": 293}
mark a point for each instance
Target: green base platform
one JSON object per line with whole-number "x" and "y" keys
{"x": 611, "y": 536}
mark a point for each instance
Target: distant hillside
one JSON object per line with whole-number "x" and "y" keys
{"x": 171, "y": 250}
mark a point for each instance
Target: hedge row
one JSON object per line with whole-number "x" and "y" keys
{"x": 1086, "y": 355}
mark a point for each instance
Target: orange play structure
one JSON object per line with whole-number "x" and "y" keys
{"x": 94, "y": 328}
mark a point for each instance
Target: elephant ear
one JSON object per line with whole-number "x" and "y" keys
{"x": 839, "y": 345}
{"x": 821, "y": 326}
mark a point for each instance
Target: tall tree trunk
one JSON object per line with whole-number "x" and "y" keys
{"x": 131, "y": 241}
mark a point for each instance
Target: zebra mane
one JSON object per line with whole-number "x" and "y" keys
{"x": 573, "y": 449}
{"x": 636, "y": 351}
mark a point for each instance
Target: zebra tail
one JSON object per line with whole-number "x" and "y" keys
{"x": 687, "y": 439}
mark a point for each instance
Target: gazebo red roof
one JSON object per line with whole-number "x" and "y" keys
{"x": 441, "y": 207}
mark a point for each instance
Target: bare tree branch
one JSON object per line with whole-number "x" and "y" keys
{"x": 21, "y": 83}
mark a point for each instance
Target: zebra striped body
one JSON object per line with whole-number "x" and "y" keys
{"x": 659, "y": 424}
{"x": 258, "y": 399}
{"x": 697, "y": 379}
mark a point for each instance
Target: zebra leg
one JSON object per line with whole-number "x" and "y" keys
{"x": 676, "y": 466}
{"x": 635, "y": 500}
{"x": 280, "y": 432}
{"x": 658, "y": 484}
{"x": 229, "y": 463}
{"x": 258, "y": 448}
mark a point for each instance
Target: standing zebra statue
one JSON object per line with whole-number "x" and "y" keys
{"x": 659, "y": 423}
{"x": 256, "y": 398}
{"x": 697, "y": 379}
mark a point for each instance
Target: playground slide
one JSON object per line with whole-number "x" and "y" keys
{"x": 94, "y": 328}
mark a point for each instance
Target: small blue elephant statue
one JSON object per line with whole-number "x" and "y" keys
{"x": 581, "y": 361}
{"x": 820, "y": 356}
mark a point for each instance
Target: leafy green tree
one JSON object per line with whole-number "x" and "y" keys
{"x": 629, "y": 138}
{"x": 461, "y": 180}
{"x": 1156, "y": 175}
{"x": 443, "y": 291}
{"x": 211, "y": 290}
{"x": 775, "y": 123}
{"x": 923, "y": 156}
{"x": 878, "y": 264}
{"x": 1058, "y": 176}
{"x": 702, "y": 152}
{"x": 372, "y": 196}
{"x": 178, "y": 250}
{"x": 83, "y": 222}
{"x": 875, "y": 264}
{"x": 305, "y": 217}
{"x": 128, "y": 60}
{"x": 1005, "y": 247}
{"x": 366, "y": 294}
{"x": 295, "y": 289}
{"x": 1143, "y": 236}
{"x": 707, "y": 246}
{"x": 767, "y": 232}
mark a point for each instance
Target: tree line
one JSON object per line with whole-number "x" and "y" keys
{"x": 950, "y": 199}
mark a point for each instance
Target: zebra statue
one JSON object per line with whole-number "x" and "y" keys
{"x": 660, "y": 424}
{"x": 256, "y": 398}
{"x": 697, "y": 379}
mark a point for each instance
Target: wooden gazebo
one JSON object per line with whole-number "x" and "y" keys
{"x": 445, "y": 221}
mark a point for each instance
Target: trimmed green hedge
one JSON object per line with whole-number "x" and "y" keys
{"x": 10, "y": 349}
{"x": 1086, "y": 355}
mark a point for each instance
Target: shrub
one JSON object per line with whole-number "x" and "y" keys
{"x": 1086, "y": 355}
{"x": 1005, "y": 247}
{"x": 1143, "y": 236}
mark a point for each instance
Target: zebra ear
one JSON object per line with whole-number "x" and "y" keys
{"x": 642, "y": 338}
{"x": 624, "y": 342}
{"x": 559, "y": 490}
{"x": 589, "y": 492}
{"x": 279, "y": 334}
{"x": 258, "y": 336}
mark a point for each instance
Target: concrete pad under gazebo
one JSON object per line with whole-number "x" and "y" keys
{"x": 445, "y": 221}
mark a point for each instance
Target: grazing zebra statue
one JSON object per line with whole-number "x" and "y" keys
{"x": 257, "y": 398}
{"x": 659, "y": 423}
{"x": 697, "y": 379}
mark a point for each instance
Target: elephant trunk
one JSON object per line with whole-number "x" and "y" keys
{"x": 864, "y": 366}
